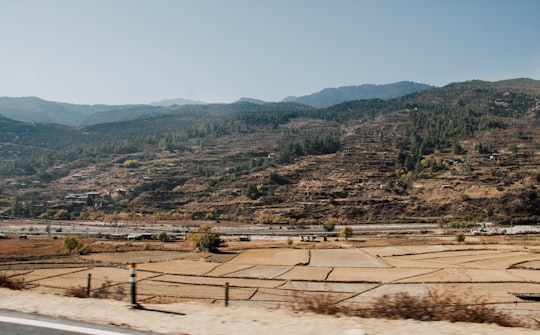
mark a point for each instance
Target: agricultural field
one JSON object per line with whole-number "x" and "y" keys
{"x": 345, "y": 272}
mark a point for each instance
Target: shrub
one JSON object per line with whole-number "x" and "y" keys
{"x": 273, "y": 219}
{"x": 289, "y": 241}
{"x": 346, "y": 232}
{"x": 76, "y": 291}
{"x": 131, "y": 164}
{"x": 11, "y": 283}
{"x": 102, "y": 292}
{"x": 460, "y": 237}
{"x": 204, "y": 238}
{"x": 439, "y": 307}
{"x": 329, "y": 224}
{"x": 71, "y": 243}
{"x": 61, "y": 214}
{"x": 163, "y": 237}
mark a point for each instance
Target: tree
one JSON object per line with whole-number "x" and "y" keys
{"x": 61, "y": 214}
{"x": 205, "y": 239}
{"x": 329, "y": 224}
{"x": 251, "y": 191}
{"x": 71, "y": 243}
{"x": 457, "y": 149}
{"x": 460, "y": 237}
{"x": 163, "y": 237}
{"x": 346, "y": 232}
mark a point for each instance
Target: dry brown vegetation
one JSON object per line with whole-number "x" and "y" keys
{"x": 12, "y": 283}
{"x": 442, "y": 307}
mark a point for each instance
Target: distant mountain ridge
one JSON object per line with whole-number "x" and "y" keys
{"x": 33, "y": 109}
{"x": 333, "y": 96}
{"x": 177, "y": 101}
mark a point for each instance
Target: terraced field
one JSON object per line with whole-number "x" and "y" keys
{"x": 278, "y": 276}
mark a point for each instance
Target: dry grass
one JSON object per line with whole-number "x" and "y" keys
{"x": 76, "y": 291}
{"x": 442, "y": 307}
{"x": 102, "y": 292}
{"x": 11, "y": 283}
{"x": 33, "y": 247}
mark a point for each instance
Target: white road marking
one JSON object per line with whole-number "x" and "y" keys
{"x": 58, "y": 326}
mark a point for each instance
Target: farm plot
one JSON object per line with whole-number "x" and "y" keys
{"x": 99, "y": 276}
{"x": 463, "y": 275}
{"x": 327, "y": 287}
{"x": 287, "y": 257}
{"x": 423, "y": 249}
{"x": 529, "y": 265}
{"x": 137, "y": 257}
{"x": 484, "y": 259}
{"x": 386, "y": 251}
{"x": 180, "y": 267}
{"x": 306, "y": 273}
{"x": 354, "y": 258}
{"x": 526, "y": 274}
{"x": 228, "y": 268}
{"x": 37, "y": 275}
{"x": 375, "y": 275}
{"x": 171, "y": 291}
{"x": 398, "y": 262}
{"x": 273, "y": 277}
{"x": 495, "y": 258}
{"x": 240, "y": 282}
{"x": 511, "y": 259}
{"x": 261, "y": 272}
{"x": 290, "y": 296}
{"x": 490, "y": 292}
{"x": 453, "y": 257}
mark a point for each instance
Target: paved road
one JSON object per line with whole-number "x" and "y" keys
{"x": 16, "y": 323}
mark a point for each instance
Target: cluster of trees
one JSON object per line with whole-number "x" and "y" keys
{"x": 205, "y": 239}
{"x": 255, "y": 192}
{"x": 318, "y": 145}
{"x": 438, "y": 128}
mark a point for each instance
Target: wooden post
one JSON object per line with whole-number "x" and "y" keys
{"x": 226, "y": 294}
{"x": 88, "y": 284}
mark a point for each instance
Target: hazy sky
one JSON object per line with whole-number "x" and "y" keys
{"x": 139, "y": 51}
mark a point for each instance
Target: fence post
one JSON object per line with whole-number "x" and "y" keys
{"x": 133, "y": 285}
{"x": 88, "y": 284}
{"x": 226, "y": 294}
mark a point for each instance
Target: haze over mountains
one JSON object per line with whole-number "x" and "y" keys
{"x": 33, "y": 109}
{"x": 177, "y": 101}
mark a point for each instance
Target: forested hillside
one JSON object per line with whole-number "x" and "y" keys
{"x": 456, "y": 154}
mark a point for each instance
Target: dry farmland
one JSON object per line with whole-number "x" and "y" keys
{"x": 272, "y": 275}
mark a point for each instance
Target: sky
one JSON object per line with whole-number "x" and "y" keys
{"x": 141, "y": 51}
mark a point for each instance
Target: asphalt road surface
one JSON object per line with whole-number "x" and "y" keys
{"x": 16, "y": 323}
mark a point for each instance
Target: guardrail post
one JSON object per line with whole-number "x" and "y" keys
{"x": 133, "y": 285}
